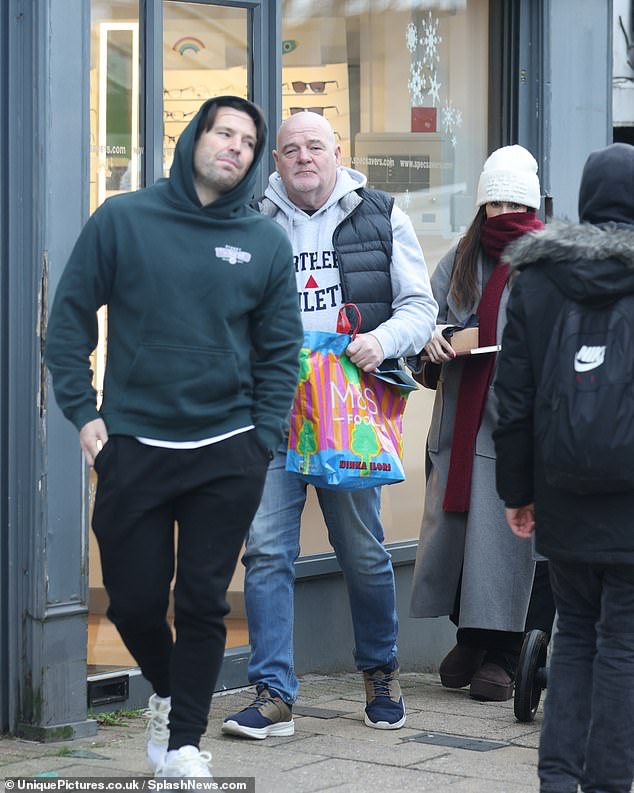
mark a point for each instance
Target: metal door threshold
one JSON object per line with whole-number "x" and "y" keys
{"x": 111, "y": 688}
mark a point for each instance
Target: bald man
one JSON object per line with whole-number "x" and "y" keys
{"x": 350, "y": 244}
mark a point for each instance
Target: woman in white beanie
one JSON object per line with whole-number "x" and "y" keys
{"x": 469, "y": 565}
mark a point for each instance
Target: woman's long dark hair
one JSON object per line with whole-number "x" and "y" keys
{"x": 464, "y": 278}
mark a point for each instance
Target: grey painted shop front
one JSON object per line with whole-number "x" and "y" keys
{"x": 94, "y": 93}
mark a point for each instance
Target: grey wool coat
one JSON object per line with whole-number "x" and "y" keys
{"x": 497, "y": 567}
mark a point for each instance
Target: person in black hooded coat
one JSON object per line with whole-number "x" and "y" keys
{"x": 587, "y": 737}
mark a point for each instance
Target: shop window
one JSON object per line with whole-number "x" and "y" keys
{"x": 115, "y": 153}
{"x": 404, "y": 86}
{"x": 115, "y": 159}
{"x": 205, "y": 54}
{"x": 623, "y": 71}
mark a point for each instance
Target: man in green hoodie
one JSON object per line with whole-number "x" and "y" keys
{"x": 202, "y": 358}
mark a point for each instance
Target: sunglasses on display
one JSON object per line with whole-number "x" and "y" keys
{"x": 317, "y": 86}
{"x": 318, "y": 110}
{"x": 191, "y": 91}
{"x": 179, "y": 115}
{"x": 167, "y": 139}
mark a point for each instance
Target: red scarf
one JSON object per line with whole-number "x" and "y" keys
{"x": 478, "y": 370}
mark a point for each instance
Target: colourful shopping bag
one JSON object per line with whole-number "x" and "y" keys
{"x": 346, "y": 425}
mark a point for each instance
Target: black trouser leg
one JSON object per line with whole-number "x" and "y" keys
{"x": 502, "y": 647}
{"x": 213, "y": 493}
{"x": 134, "y": 527}
{"x": 541, "y": 608}
{"x": 213, "y": 523}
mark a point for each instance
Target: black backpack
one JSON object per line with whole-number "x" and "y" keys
{"x": 584, "y": 406}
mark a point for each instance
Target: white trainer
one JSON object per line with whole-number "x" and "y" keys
{"x": 188, "y": 761}
{"x": 157, "y": 730}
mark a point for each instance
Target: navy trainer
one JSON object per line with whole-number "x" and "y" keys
{"x": 267, "y": 715}
{"x": 385, "y": 709}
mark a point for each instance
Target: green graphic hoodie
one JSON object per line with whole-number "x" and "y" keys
{"x": 204, "y": 329}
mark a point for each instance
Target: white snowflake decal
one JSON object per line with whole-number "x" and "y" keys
{"x": 424, "y": 76}
{"x": 430, "y": 40}
{"x": 411, "y": 37}
{"x": 434, "y": 88}
{"x": 405, "y": 200}
{"x": 451, "y": 120}
{"x": 448, "y": 115}
{"x": 416, "y": 83}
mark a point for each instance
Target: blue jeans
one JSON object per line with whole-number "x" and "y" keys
{"x": 356, "y": 534}
{"x": 588, "y": 732}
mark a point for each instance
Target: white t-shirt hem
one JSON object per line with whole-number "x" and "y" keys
{"x": 193, "y": 444}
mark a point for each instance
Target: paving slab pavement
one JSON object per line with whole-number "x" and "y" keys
{"x": 449, "y": 743}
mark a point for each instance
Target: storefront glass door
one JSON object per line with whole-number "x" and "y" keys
{"x": 206, "y": 53}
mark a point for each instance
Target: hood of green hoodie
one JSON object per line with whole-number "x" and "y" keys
{"x": 180, "y": 183}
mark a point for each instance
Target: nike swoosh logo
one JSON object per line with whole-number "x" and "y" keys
{"x": 586, "y": 366}
{"x": 588, "y": 358}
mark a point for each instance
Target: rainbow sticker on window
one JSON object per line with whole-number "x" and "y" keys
{"x": 187, "y": 44}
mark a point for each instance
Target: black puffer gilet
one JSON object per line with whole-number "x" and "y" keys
{"x": 363, "y": 243}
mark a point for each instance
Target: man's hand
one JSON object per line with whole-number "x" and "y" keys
{"x": 366, "y": 352}
{"x": 93, "y": 436}
{"x": 439, "y": 349}
{"x": 521, "y": 520}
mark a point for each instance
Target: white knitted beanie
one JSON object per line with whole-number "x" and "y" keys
{"x": 510, "y": 174}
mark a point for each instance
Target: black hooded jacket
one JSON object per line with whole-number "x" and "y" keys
{"x": 590, "y": 262}
{"x": 203, "y": 324}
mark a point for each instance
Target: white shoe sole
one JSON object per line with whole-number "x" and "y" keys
{"x": 280, "y": 728}
{"x": 166, "y": 773}
{"x": 385, "y": 725}
{"x": 154, "y": 765}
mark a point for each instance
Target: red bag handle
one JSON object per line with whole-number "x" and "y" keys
{"x": 343, "y": 320}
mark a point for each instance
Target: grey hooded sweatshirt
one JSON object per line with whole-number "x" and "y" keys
{"x": 318, "y": 281}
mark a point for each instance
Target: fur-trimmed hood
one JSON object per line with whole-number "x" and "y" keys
{"x": 588, "y": 263}
{"x": 560, "y": 241}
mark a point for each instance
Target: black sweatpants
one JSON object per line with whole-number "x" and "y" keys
{"x": 212, "y": 493}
